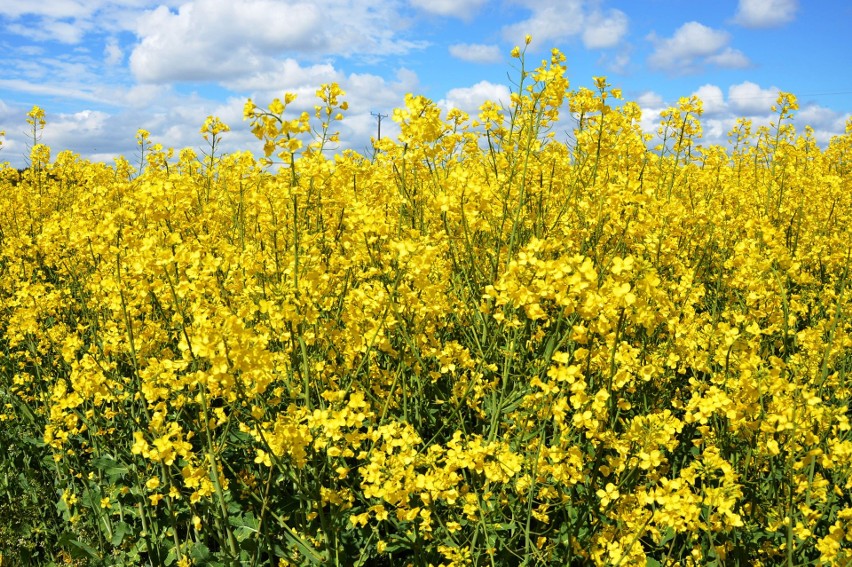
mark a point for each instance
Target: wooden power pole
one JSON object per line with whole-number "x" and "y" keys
{"x": 379, "y": 120}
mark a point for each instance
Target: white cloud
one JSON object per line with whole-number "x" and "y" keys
{"x": 51, "y": 8}
{"x": 476, "y": 52}
{"x": 650, "y": 99}
{"x": 765, "y": 13}
{"x": 77, "y": 9}
{"x": 141, "y": 96}
{"x": 604, "y": 30}
{"x": 816, "y": 114}
{"x": 71, "y": 76}
{"x": 548, "y": 23}
{"x": 826, "y": 123}
{"x": 551, "y": 22}
{"x": 651, "y": 104}
{"x": 730, "y": 58}
{"x": 50, "y": 89}
{"x": 691, "y": 45}
{"x": 113, "y": 55}
{"x": 690, "y": 40}
{"x": 69, "y": 21}
{"x": 79, "y": 123}
{"x": 469, "y": 99}
{"x": 51, "y": 29}
{"x": 368, "y": 93}
{"x": 749, "y": 98}
{"x": 713, "y": 99}
{"x": 214, "y": 40}
{"x": 715, "y": 130}
{"x": 616, "y": 62}
{"x": 462, "y": 9}
{"x": 207, "y": 39}
{"x": 34, "y": 51}
{"x": 286, "y": 74}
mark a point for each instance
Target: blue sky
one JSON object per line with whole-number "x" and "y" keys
{"x": 103, "y": 69}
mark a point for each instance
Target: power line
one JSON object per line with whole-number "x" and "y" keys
{"x": 775, "y": 93}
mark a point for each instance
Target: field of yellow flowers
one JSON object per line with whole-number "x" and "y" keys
{"x": 479, "y": 346}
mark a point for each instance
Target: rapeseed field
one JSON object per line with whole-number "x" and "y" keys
{"x": 484, "y": 344}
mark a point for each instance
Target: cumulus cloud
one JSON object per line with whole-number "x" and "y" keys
{"x": 476, "y": 52}
{"x": 554, "y": 22}
{"x": 79, "y": 123}
{"x": 730, "y": 58}
{"x": 284, "y": 75}
{"x": 214, "y": 40}
{"x": 749, "y": 98}
{"x": 827, "y": 123}
{"x": 692, "y": 45}
{"x": 206, "y": 40}
{"x": 548, "y": 23}
{"x": 604, "y": 30}
{"x": 462, "y": 9}
{"x": 816, "y": 114}
{"x": 765, "y": 13}
{"x": 651, "y": 104}
{"x": 469, "y": 99}
{"x": 650, "y": 99}
{"x": 713, "y": 99}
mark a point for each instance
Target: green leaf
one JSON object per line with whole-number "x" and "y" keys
{"x": 234, "y": 508}
{"x": 199, "y": 553}
{"x": 668, "y": 535}
{"x": 171, "y": 557}
{"x": 111, "y": 467}
{"x": 35, "y": 441}
{"x": 78, "y": 549}
{"x": 243, "y": 533}
{"x": 119, "y": 531}
{"x": 116, "y": 471}
{"x": 91, "y": 498}
{"x": 246, "y": 526}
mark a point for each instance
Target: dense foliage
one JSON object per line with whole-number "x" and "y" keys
{"x": 481, "y": 345}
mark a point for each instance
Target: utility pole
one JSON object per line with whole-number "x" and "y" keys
{"x": 379, "y": 119}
